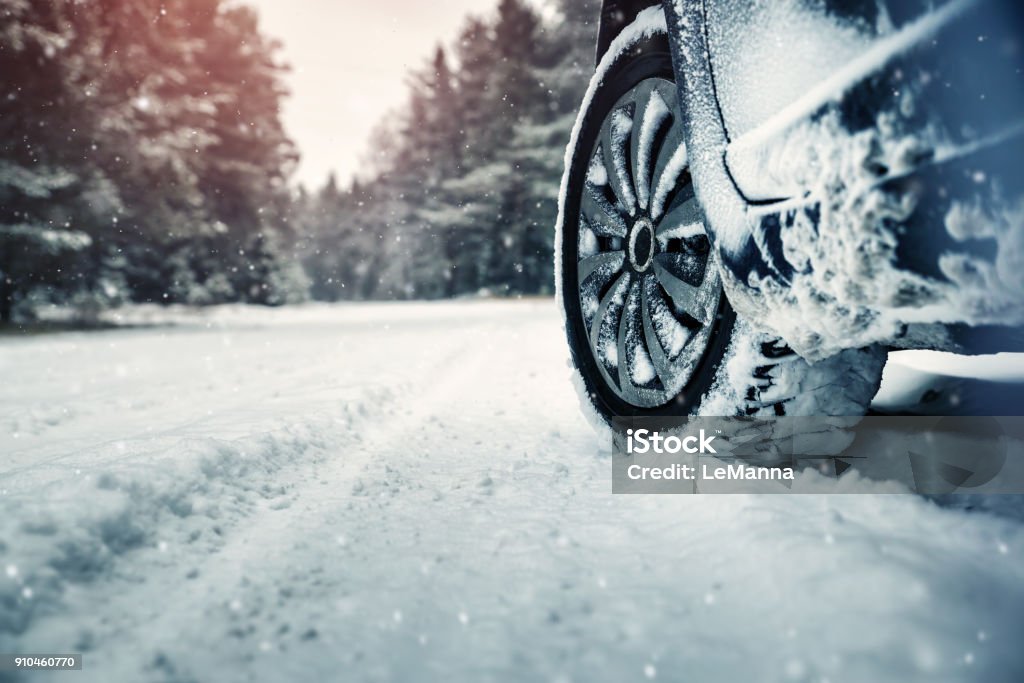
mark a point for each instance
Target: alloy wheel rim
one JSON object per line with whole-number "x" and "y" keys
{"x": 647, "y": 285}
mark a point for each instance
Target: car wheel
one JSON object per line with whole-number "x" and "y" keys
{"x": 650, "y": 329}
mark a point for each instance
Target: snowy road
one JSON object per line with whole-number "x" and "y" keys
{"x": 409, "y": 492}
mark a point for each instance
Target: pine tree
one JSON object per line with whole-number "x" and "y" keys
{"x": 49, "y": 196}
{"x": 477, "y": 60}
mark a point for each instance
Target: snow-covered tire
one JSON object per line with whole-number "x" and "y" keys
{"x": 650, "y": 330}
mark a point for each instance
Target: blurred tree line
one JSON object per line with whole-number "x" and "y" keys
{"x": 142, "y": 158}
{"x": 462, "y": 185}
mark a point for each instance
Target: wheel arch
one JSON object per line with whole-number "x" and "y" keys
{"x": 615, "y": 16}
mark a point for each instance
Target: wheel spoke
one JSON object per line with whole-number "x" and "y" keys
{"x": 670, "y": 269}
{"x": 658, "y": 356}
{"x": 672, "y": 334}
{"x": 606, "y": 309}
{"x": 604, "y": 220}
{"x": 614, "y": 139}
{"x": 668, "y": 167}
{"x": 630, "y": 309}
{"x": 609, "y": 261}
{"x": 651, "y": 114}
{"x": 634, "y": 362}
{"x": 595, "y": 275}
{"x": 683, "y": 219}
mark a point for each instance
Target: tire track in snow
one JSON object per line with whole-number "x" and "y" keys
{"x": 199, "y": 583}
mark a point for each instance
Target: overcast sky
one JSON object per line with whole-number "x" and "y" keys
{"x": 349, "y": 59}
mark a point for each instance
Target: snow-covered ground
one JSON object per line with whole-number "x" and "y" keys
{"x": 409, "y": 492}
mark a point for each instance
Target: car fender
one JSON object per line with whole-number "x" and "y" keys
{"x": 615, "y": 16}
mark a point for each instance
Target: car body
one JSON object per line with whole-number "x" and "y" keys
{"x": 761, "y": 200}
{"x": 832, "y": 145}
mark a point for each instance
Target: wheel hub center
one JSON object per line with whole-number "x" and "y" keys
{"x": 641, "y": 244}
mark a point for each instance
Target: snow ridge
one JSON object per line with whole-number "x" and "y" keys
{"x": 76, "y": 530}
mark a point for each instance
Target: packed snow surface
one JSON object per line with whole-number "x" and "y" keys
{"x": 410, "y": 492}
